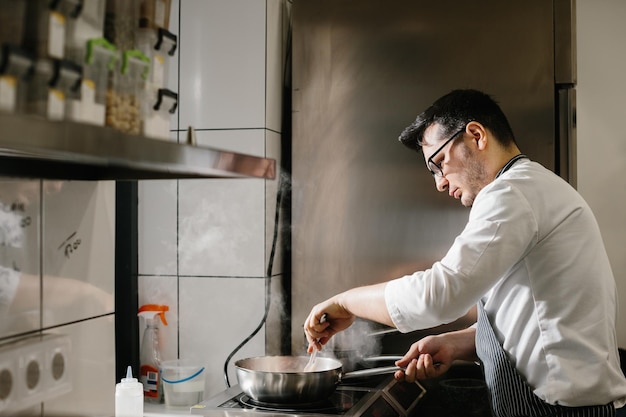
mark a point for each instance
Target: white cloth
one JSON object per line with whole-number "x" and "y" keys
{"x": 533, "y": 252}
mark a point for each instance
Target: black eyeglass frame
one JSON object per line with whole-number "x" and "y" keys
{"x": 435, "y": 169}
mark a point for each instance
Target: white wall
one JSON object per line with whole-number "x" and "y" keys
{"x": 602, "y": 128}
{"x": 204, "y": 245}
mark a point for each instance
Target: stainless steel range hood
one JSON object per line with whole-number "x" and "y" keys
{"x": 36, "y": 147}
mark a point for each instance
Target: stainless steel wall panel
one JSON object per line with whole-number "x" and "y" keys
{"x": 364, "y": 207}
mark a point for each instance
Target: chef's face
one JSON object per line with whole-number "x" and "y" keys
{"x": 462, "y": 173}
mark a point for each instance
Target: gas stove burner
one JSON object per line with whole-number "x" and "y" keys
{"x": 337, "y": 403}
{"x": 388, "y": 399}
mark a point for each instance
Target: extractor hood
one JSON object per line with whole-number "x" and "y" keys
{"x": 33, "y": 147}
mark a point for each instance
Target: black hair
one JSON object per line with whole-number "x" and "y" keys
{"x": 455, "y": 110}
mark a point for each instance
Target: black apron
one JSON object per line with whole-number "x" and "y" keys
{"x": 509, "y": 394}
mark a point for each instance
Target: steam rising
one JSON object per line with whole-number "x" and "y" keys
{"x": 356, "y": 342}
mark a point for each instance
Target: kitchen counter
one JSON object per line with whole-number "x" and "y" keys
{"x": 160, "y": 410}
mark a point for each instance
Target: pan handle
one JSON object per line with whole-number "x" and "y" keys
{"x": 370, "y": 372}
{"x": 381, "y": 358}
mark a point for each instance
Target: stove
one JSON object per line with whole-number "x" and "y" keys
{"x": 382, "y": 396}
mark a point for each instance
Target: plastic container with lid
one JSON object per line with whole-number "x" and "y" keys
{"x": 98, "y": 63}
{"x": 162, "y": 103}
{"x": 126, "y": 93}
{"x": 155, "y": 14}
{"x": 53, "y": 81}
{"x": 159, "y": 45}
{"x": 45, "y": 26}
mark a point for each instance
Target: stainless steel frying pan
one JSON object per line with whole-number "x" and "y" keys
{"x": 282, "y": 380}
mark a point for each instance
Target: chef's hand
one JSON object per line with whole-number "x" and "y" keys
{"x": 337, "y": 319}
{"x": 432, "y": 356}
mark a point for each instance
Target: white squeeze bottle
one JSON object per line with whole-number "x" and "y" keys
{"x": 150, "y": 353}
{"x": 129, "y": 396}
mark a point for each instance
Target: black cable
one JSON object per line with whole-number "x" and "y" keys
{"x": 268, "y": 279}
{"x": 268, "y": 275}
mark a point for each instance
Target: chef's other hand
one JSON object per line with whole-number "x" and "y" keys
{"x": 432, "y": 356}
{"x": 337, "y": 319}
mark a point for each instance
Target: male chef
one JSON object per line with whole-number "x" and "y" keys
{"x": 529, "y": 270}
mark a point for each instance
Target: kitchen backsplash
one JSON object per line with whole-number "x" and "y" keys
{"x": 204, "y": 245}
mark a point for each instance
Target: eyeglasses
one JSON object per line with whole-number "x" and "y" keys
{"x": 435, "y": 168}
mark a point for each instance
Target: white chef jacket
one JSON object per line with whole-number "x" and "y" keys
{"x": 533, "y": 252}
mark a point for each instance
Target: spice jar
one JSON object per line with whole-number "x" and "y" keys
{"x": 98, "y": 63}
{"x": 125, "y": 95}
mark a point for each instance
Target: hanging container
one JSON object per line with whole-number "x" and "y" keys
{"x": 98, "y": 63}
{"x": 126, "y": 93}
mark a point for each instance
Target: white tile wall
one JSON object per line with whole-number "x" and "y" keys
{"x": 221, "y": 228}
{"x": 221, "y": 222}
{"x": 222, "y": 57}
{"x": 157, "y": 234}
{"x": 216, "y": 315}
{"x": 232, "y": 56}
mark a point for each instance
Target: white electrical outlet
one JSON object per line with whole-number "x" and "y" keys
{"x": 34, "y": 370}
{"x": 57, "y": 371}
{"x": 8, "y": 375}
{"x": 30, "y": 364}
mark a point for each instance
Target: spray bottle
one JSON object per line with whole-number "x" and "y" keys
{"x": 150, "y": 355}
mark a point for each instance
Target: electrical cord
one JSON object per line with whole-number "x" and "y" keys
{"x": 279, "y": 198}
{"x": 268, "y": 279}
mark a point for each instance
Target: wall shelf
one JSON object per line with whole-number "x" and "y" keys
{"x": 32, "y": 147}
